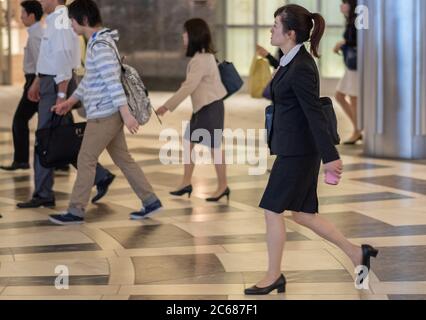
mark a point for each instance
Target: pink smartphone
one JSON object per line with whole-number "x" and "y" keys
{"x": 331, "y": 179}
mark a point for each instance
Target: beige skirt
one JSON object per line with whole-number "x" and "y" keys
{"x": 348, "y": 85}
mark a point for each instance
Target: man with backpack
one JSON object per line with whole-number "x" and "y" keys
{"x": 105, "y": 102}
{"x": 58, "y": 56}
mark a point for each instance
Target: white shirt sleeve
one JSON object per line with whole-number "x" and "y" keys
{"x": 66, "y": 49}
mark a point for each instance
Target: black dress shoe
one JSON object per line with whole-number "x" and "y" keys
{"x": 279, "y": 285}
{"x": 179, "y": 193}
{"x": 16, "y": 166}
{"x": 226, "y": 194}
{"x": 103, "y": 187}
{"x": 37, "y": 203}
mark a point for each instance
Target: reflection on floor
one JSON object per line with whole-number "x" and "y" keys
{"x": 199, "y": 250}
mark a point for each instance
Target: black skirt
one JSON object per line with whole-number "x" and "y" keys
{"x": 210, "y": 118}
{"x": 293, "y": 185}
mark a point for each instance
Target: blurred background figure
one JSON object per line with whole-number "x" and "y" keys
{"x": 347, "y": 89}
{"x": 204, "y": 85}
{"x": 31, "y": 14}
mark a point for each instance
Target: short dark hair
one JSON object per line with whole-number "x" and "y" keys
{"x": 80, "y": 9}
{"x": 33, "y": 7}
{"x": 200, "y": 37}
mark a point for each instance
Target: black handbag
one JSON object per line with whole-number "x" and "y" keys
{"x": 330, "y": 114}
{"x": 350, "y": 55}
{"x": 231, "y": 79}
{"x": 59, "y": 144}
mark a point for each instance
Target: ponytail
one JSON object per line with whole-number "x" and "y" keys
{"x": 317, "y": 33}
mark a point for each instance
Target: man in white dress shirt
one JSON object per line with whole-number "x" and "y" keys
{"x": 31, "y": 14}
{"x": 59, "y": 56}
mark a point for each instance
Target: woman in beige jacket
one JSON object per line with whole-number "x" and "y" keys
{"x": 204, "y": 85}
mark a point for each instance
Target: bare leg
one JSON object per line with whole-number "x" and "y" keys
{"x": 276, "y": 237}
{"x": 221, "y": 176}
{"x": 350, "y": 109}
{"x": 354, "y": 108}
{"x": 329, "y": 232}
{"x": 347, "y": 107}
{"x": 188, "y": 170}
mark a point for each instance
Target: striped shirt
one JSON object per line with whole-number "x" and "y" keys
{"x": 101, "y": 90}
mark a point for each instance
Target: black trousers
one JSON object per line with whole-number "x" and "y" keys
{"x": 21, "y": 132}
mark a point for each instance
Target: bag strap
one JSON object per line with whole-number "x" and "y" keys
{"x": 113, "y": 48}
{"x": 122, "y": 68}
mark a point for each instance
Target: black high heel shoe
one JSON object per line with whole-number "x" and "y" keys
{"x": 279, "y": 285}
{"x": 367, "y": 252}
{"x": 179, "y": 193}
{"x": 226, "y": 194}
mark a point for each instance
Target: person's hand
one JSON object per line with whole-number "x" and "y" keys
{"x": 162, "y": 111}
{"x": 60, "y": 100}
{"x": 62, "y": 107}
{"x": 34, "y": 92}
{"x": 338, "y": 47}
{"x": 335, "y": 168}
{"x": 261, "y": 51}
{"x": 131, "y": 123}
{"x": 129, "y": 120}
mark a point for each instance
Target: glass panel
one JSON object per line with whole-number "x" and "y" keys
{"x": 331, "y": 11}
{"x": 264, "y": 39}
{"x": 332, "y": 65}
{"x": 311, "y": 5}
{"x": 240, "y": 12}
{"x": 267, "y": 9}
{"x": 220, "y": 12}
{"x": 219, "y": 36}
{"x": 240, "y": 48}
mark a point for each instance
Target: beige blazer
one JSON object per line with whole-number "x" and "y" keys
{"x": 202, "y": 83}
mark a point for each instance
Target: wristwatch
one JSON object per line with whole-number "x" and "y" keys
{"x": 62, "y": 95}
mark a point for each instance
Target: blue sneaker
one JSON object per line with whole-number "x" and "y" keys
{"x": 147, "y": 212}
{"x": 66, "y": 219}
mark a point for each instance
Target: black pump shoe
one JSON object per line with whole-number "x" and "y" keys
{"x": 187, "y": 190}
{"x": 368, "y": 252}
{"x": 279, "y": 285}
{"x": 226, "y": 194}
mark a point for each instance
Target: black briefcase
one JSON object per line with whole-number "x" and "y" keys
{"x": 59, "y": 145}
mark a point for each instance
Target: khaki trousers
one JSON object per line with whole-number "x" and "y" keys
{"x": 101, "y": 134}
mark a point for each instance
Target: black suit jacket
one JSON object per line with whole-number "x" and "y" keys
{"x": 299, "y": 126}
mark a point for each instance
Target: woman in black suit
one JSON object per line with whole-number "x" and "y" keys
{"x": 300, "y": 139}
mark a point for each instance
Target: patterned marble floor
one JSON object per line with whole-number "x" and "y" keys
{"x": 197, "y": 250}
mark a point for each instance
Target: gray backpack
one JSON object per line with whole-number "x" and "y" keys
{"x": 137, "y": 95}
